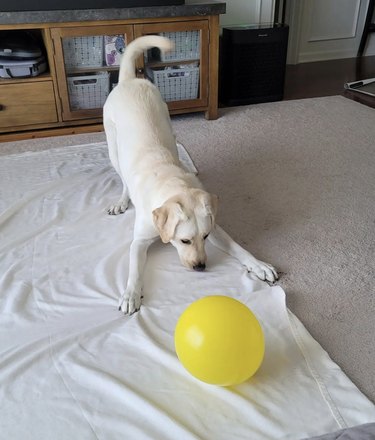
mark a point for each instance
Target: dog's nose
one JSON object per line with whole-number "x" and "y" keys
{"x": 199, "y": 267}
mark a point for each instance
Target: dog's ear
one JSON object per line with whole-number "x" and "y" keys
{"x": 212, "y": 206}
{"x": 166, "y": 219}
{"x": 209, "y": 204}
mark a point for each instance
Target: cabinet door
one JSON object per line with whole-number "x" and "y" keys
{"x": 180, "y": 75}
{"x": 27, "y": 103}
{"x": 87, "y": 63}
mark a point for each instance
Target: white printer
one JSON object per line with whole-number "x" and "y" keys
{"x": 21, "y": 55}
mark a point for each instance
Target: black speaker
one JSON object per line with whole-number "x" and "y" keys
{"x": 252, "y": 64}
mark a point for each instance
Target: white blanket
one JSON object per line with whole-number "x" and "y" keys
{"x": 73, "y": 367}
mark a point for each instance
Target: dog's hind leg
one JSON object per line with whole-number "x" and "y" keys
{"x": 121, "y": 206}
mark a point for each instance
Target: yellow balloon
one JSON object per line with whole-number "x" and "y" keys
{"x": 219, "y": 341}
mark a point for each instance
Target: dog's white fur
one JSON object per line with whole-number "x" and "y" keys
{"x": 169, "y": 202}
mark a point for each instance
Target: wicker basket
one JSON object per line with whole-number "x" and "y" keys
{"x": 83, "y": 51}
{"x": 89, "y": 91}
{"x": 176, "y": 84}
{"x": 187, "y": 46}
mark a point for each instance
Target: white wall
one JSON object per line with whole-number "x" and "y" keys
{"x": 246, "y": 12}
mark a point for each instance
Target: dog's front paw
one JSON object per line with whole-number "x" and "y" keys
{"x": 118, "y": 208}
{"x": 263, "y": 271}
{"x": 130, "y": 301}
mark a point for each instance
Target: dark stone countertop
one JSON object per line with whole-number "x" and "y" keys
{"x": 199, "y": 8}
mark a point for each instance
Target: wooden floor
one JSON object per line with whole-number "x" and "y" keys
{"x": 327, "y": 78}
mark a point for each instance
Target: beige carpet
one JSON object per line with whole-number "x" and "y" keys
{"x": 296, "y": 180}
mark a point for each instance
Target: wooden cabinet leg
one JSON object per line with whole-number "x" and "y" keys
{"x": 211, "y": 113}
{"x": 213, "y": 69}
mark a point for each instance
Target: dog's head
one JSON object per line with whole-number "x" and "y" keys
{"x": 185, "y": 221}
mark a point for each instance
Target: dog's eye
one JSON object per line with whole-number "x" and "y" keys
{"x": 186, "y": 241}
{"x": 205, "y": 236}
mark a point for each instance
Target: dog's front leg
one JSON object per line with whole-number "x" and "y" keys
{"x": 264, "y": 271}
{"x": 130, "y": 301}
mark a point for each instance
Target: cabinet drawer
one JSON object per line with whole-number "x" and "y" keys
{"x": 26, "y": 104}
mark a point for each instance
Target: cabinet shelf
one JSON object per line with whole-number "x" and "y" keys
{"x": 157, "y": 64}
{"x": 43, "y": 77}
{"x": 151, "y": 63}
{"x": 83, "y": 70}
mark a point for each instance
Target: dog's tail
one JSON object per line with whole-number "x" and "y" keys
{"x": 135, "y": 48}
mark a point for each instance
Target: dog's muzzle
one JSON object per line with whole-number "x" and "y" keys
{"x": 199, "y": 267}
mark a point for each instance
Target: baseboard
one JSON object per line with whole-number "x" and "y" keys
{"x": 309, "y": 57}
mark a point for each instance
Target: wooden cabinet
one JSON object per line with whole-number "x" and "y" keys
{"x": 70, "y": 96}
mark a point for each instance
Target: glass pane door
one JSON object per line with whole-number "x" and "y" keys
{"x": 179, "y": 73}
{"x": 89, "y": 67}
{"x": 89, "y": 62}
{"x": 176, "y": 73}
